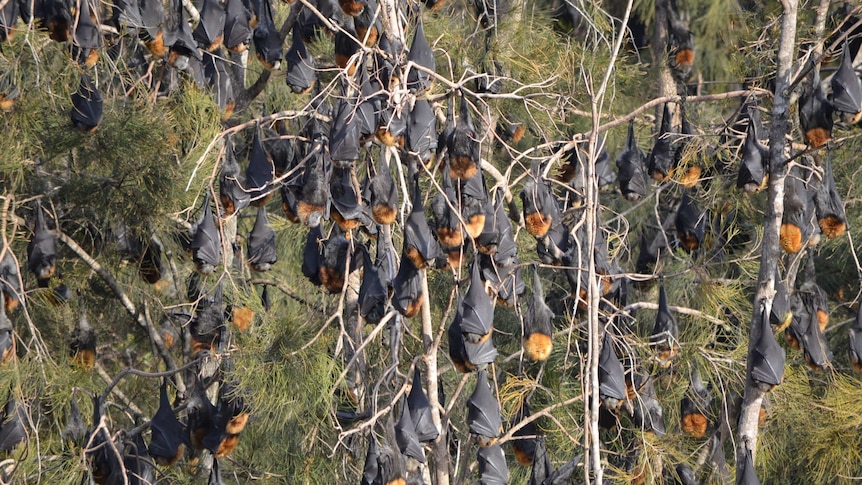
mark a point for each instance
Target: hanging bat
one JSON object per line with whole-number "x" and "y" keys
{"x": 766, "y": 358}
{"x": 492, "y": 466}
{"x": 87, "y": 104}
{"x": 746, "y": 475}
{"x": 261, "y": 243}
{"x": 56, "y": 16}
{"x": 237, "y": 30}
{"x": 855, "y": 332}
{"x": 200, "y": 416}
{"x": 371, "y": 469}
{"x": 462, "y": 145}
{"x": 796, "y": 227}
{"x": 347, "y": 208}
{"x": 827, "y": 203}
{"x": 690, "y": 223}
{"x": 210, "y": 30}
{"x": 9, "y": 92}
{"x": 368, "y": 24}
{"x": 477, "y": 309}
{"x": 384, "y": 196}
{"x": 312, "y": 256}
{"x": 815, "y": 113}
{"x": 260, "y": 171}
{"x": 496, "y": 235}
{"x": 10, "y": 282}
{"x": 230, "y": 418}
{"x": 694, "y": 407}
{"x": 345, "y": 49}
{"x": 232, "y": 196}
{"x": 8, "y": 19}
{"x": 419, "y": 244}
{"x": 490, "y": 80}
{"x": 612, "y": 381}
{"x": 75, "y": 431}
{"x": 102, "y": 460}
{"x": 457, "y": 348}
{"x": 648, "y": 413}
{"x": 207, "y": 327}
{"x": 179, "y": 39}
{"x": 166, "y": 446}
{"x": 490, "y": 13}
{"x": 680, "y": 46}
{"x": 483, "y": 412}
{"x": 540, "y": 206}
{"x": 815, "y": 350}
{"x": 13, "y": 431}
{"x": 7, "y": 338}
{"x": 139, "y": 469}
{"x": 389, "y": 462}
{"x": 206, "y": 241}
{"x": 153, "y": 33}
{"x": 421, "y": 134}
{"x": 692, "y": 173}
{"x": 541, "y": 464}
{"x": 370, "y": 105}
{"x": 661, "y": 159}
{"x": 267, "y": 44}
{"x": 301, "y": 73}
{"x": 630, "y": 167}
{"x": 847, "y": 89}
{"x": 781, "y": 313}
{"x": 86, "y": 38}
{"x": 503, "y": 278}
{"x": 83, "y": 343}
{"x": 373, "y": 291}
{"x": 479, "y": 355}
{"x": 344, "y": 134}
{"x": 538, "y": 327}
{"x": 405, "y": 436}
{"x": 407, "y": 297}
{"x": 420, "y": 410}
{"x": 665, "y": 334}
{"x": 420, "y": 54}
{"x": 524, "y": 448}
{"x": 313, "y": 205}
{"x": 334, "y": 264}
{"x": 754, "y": 168}
{"x": 474, "y": 197}
{"x": 447, "y": 225}
{"x": 42, "y": 250}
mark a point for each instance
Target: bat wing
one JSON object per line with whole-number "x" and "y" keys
{"x": 665, "y": 322}
{"x": 206, "y": 243}
{"x": 492, "y": 466}
{"x": 477, "y": 308}
{"x": 421, "y": 134}
{"x": 611, "y": 375}
{"x": 767, "y": 358}
{"x": 421, "y": 54}
{"x": 747, "y": 476}
{"x": 407, "y": 286}
{"x": 541, "y": 464}
{"x": 480, "y": 354}
{"x": 417, "y": 233}
{"x": 210, "y": 30}
{"x": 405, "y": 436}
{"x": 483, "y": 410}
{"x": 344, "y": 138}
{"x": 261, "y": 241}
{"x": 236, "y": 28}
{"x": 561, "y": 475}
{"x": 754, "y": 160}
{"x": 260, "y": 171}
{"x": 87, "y": 104}
{"x": 312, "y": 255}
{"x": 661, "y": 157}
{"x": 846, "y": 87}
{"x": 420, "y": 410}
{"x": 371, "y": 470}
{"x": 12, "y": 429}
{"x": 373, "y": 295}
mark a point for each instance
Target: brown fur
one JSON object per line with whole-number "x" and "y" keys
{"x": 372, "y": 33}
{"x": 566, "y": 173}
{"x": 237, "y": 424}
{"x": 695, "y": 425}
{"x": 485, "y": 442}
{"x": 817, "y": 137}
{"x": 344, "y": 224}
{"x": 464, "y": 367}
{"x": 684, "y": 57}
{"x": 85, "y": 358}
{"x": 822, "y": 320}
{"x": 227, "y": 446}
{"x": 168, "y": 339}
{"x": 162, "y": 285}
{"x": 690, "y": 177}
{"x": 216, "y": 43}
{"x": 172, "y": 57}
{"x": 58, "y": 31}
{"x": 344, "y": 62}
{"x": 475, "y": 225}
{"x": 537, "y": 224}
{"x": 198, "y": 346}
{"x": 462, "y": 168}
{"x": 811, "y": 364}
{"x": 396, "y": 481}
{"x": 262, "y": 202}
{"x": 50, "y": 274}
{"x": 383, "y": 214}
{"x": 790, "y": 238}
{"x": 455, "y": 259}
{"x": 521, "y": 456}
{"x": 414, "y": 307}
{"x": 351, "y": 7}
{"x": 538, "y": 347}
{"x": 660, "y": 177}
{"x": 8, "y": 353}
{"x": 832, "y": 226}
{"x": 332, "y": 280}
{"x": 157, "y": 46}
{"x": 792, "y": 341}
{"x": 239, "y": 48}
{"x": 666, "y": 354}
{"x": 242, "y": 317}
{"x": 304, "y": 209}
{"x": 288, "y": 214}
{"x": 437, "y": 5}
{"x": 762, "y": 417}
{"x": 6, "y": 104}
{"x": 414, "y": 256}
{"x": 386, "y": 138}
{"x": 166, "y": 462}
{"x": 449, "y": 237}
{"x": 689, "y": 241}
{"x": 92, "y": 58}
{"x": 857, "y": 366}
{"x": 10, "y": 303}
{"x": 227, "y": 205}
{"x": 519, "y": 133}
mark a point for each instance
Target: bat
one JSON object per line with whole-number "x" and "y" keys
{"x": 524, "y": 448}
{"x": 492, "y": 466}
{"x": 179, "y": 39}
{"x": 421, "y": 55}
{"x": 855, "y": 332}
{"x": 384, "y": 196}
{"x": 766, "y": 358}
{"x": 477, "y": 309}
{"x": 479, "y": 355}
{"x": 828, "y": 206}
{"x": 612, "y": 381}
{"x": 209, "y": 32}
{"x": 215, "y": 474}
{"x": 83, "y": 344}
{"x": 474, "y": 205}
{"x": 348, "y": 211}
{"x": 200, "y": 416}
{"x": 152, "y": 20}
{"x": 648, "y": 413}
{"x": 746, "y": 475}
{"x": 237, "y": 30}
{"x": 538, "y": 327}
{"x": 260, "y": 171}
{"x": 373, "y": 291}
{"x": 166, "y": 445}
{"x": 10, "y": 282}
{"x": 389, "y": 461}
{"x": 490, "y": 12}
{"x": 405, "y": 436}
{"x": 815, "y": 350}
{"x": 447, "y": 225}
{"x": 232, "y": 196}
{"x": 462, "y": 145}
{"x": 420, "y": 410}
{"x": 483, "y": 412}
{"x": 796, "y": 227}
{"x": 684, "y": 475}
{"x": 333, "y": 266}
{"x": 754, "y": 169}
{"x": 369, "y": 106}
{"x": 457, "y": 348}
{"x": 847, "y": 89}
{"x": 313, "y": 204}
{"x": 219, "y": 80}
{"x": 102, "y": 460}
{"x": 87, "y": 104}
{"x": 419, "y": 244}
{"x": 660, "y": 163}
{"x": 86, "y": 38}
{"x": 206, "y": 241}
{"x": 558, "y": 241}
{"x": 371, "y": 469}
{"x": 75, "y": 431}
{"x": 261, "y": 243}
{"x": 12, "y": 425}
{"x": 503, "y": 279}
{"x": 7, "y": 338}
{"x": 421, "y": 134}
{"x": 489, "y": 81}
{"x": 815, "y": 113}
{"x": 407, "y": 297}
{"x": 441, "y": 155}
{"x": 301, "y": 73}
{"x": 563, "y": 474}
{"x": 540, "y": 206}
{"x": 352, "y": 7}
{"x": 630, "y": 167}
{"x": 9, "y": 92}
{"x": 344, "y": 138}
{"x": 781, "y": 313}
{"x": 694, "y": 407}
{"x": 345, "y": 48}
{"x": 208, "y": 325}
{"x": 692, "y": 173}
{"x": 42, "y": 250}
{"x": 680, "y": 46}
{"x": 8, "y": 19}
{"x": 368, "y": 24}
{"x": 541, "y": 464}
{"x": 690, "y": 223}
{"x": 139, "y": 469}
{"x": 665, "y": 333}
{"x": 230, "y": 419}
{"x": 312, "y": 255}
{"x": 391, "y": 127}
{"x": 496, "y": 235}
{"x": 511, "y": 133}
{"x": 267, "y": 43}
{"x": 56, "y": 16}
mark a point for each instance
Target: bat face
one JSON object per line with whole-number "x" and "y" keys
{"x": 206, "y": 241}
{"x": 660, "y": 162}
{"x": 300, "y": 65}
{"x": 631, "y": 171}
{"x": 421, "y": 54}
{"x": 86, "y": 105}
{"x": 483, "y": 412}
{"x": 492, "y": 466}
